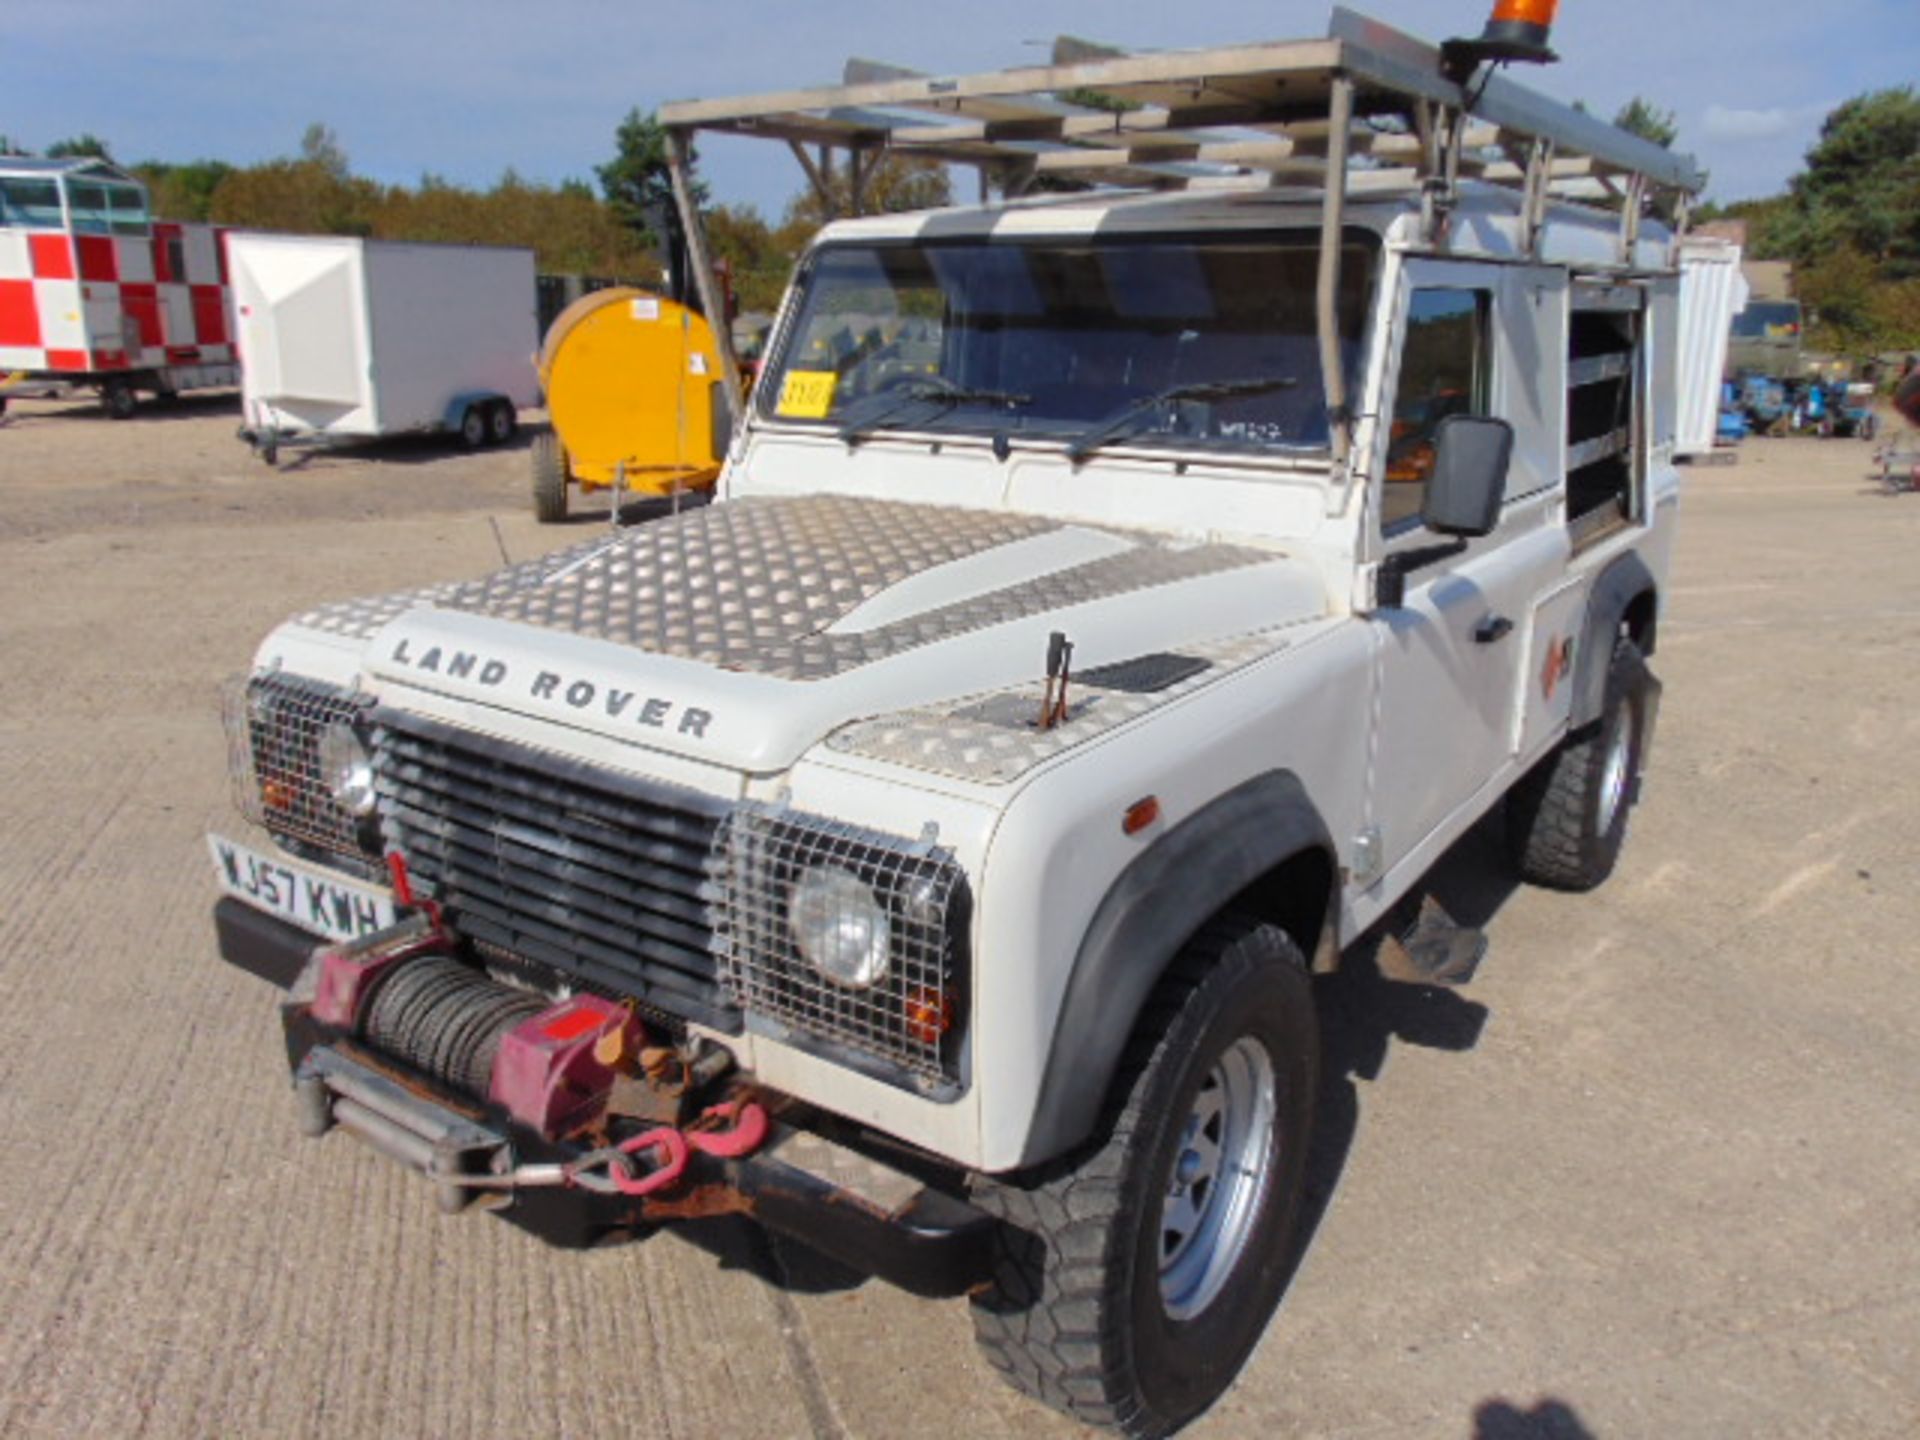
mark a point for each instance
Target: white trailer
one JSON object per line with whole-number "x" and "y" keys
{"x": 343, "y": 338}
{"x": 1712, "y": 291}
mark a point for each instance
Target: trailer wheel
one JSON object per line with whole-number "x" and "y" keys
{"x": 549, "y": 479}
{"x": 503, "y": 423}
{"x": 118, "y": 400}
{"x": 473, "y": 427}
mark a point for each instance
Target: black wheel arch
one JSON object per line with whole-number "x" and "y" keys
{"x": 1624, "y": 600}
{"x": 1261, "y": 848}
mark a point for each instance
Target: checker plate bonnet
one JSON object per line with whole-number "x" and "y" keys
{"x": 781, "y": 604}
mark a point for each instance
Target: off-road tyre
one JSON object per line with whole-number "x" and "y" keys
{"x": 1567, "y": 819}
{"x": 1075, "y": 1314}
{"x": 549, "y": 478}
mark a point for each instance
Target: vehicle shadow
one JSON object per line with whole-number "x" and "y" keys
{"x": 739, "y": 1243}
{"x": 637, "y": 511}
{"x": 1363, "y": 1011}
{"x": 423, "y": 448}
{"x": 1549, "y": 1419}
{"x": 71, "y": 409}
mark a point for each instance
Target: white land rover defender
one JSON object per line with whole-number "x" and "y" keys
{"x": 1113, "y": 605}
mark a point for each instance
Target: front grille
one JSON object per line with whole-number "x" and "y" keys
{"x": 909, "y": 1018}
{"x": 597, "y": 875}
{"x": 274, "y": 722}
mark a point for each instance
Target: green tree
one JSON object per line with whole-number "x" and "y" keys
{"x": 898, "y": 182}
{"x": 759, "y": 260}
{"x": 320, "y": 147}
{"x": 10, "y": 146}
{"x": 79, "y": 146}
{"x": 1649, "y": 122}
{"x": 1861, "y": 186}
{"x": 636, "y": 182}
{"x": 183, "y": 192}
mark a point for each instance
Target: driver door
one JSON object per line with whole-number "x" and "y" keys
{"x": 1448, "y": 683}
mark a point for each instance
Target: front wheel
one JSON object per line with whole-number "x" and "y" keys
{"x": 549, "y": 478}
{"x": 473, "y": 427}
{"x": 1131, "y": 1283}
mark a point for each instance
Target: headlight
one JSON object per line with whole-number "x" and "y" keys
{"x": 346, "y": 769}
{"x": 840, "y": 926}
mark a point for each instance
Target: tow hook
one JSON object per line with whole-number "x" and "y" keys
{"x": 647, "y": 1163}
{"x": 748, "y": 1134}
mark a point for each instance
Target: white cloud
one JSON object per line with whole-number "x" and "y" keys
{"x": 1725, "y": 123}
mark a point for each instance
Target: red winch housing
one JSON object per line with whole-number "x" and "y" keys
{"x": 537, "y": 1061}
{"x": 547, "y": 1074}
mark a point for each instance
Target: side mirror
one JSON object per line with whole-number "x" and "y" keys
{"x": 1464, "y": 491}
{"x": 1469, "y": 479}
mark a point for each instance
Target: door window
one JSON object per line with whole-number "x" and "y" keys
{"x": 1445, "y": 369}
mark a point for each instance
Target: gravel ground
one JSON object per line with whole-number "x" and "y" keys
{"x": 1654, "y": 1173}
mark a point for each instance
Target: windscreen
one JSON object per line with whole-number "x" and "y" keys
{"x": 1200, "y": 342}
{"x": 1767, "y": 320}
{"x": 30, "y": 204}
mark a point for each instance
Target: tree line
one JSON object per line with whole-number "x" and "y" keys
{"x": 572, "y": 227}
{"x": 1850, "y": 223}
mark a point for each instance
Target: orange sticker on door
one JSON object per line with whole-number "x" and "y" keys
{"x": 1558, "y": 665}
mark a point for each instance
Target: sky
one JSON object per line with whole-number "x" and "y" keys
{"x": 467, "y": 90}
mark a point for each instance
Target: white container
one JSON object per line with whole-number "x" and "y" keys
{"x": 348, "y": 338}
{"x": 1712, "y": 291}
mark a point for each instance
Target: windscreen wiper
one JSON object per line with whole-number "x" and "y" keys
{"x": 1125, "y": 420}
{"x": 935, "y": 390}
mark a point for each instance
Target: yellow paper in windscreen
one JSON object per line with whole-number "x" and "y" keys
{"x": 807, "y": 394}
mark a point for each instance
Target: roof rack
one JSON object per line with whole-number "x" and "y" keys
{"x": 1367, "y": 107}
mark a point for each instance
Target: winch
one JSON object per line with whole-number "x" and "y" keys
{"x": 401, "y": 995}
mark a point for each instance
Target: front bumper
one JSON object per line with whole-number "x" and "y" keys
{"x": 846, "y": 1203}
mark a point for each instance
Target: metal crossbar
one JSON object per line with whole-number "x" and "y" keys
{"x": 1366, "y": 108}
{"x": 1182, "y": 117}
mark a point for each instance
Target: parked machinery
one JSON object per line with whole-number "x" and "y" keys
{"x": 634, "y": 394}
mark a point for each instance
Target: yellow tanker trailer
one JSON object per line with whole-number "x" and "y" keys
{"x": 634, "y": 395}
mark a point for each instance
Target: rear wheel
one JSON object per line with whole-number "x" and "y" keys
{"x": 118, "y": 399}
{"x": 473, "y": 427}
{"x": 1131, "y": 1284}
{"x": 549, "y": 478}
{"x": 1567, "y": 819}
{"x": 502, "y": 422}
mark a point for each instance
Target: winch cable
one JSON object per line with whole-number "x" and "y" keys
{"x": 446, "y": 1020}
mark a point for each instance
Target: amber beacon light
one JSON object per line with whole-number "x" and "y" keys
{"x": 1516, "y": 31}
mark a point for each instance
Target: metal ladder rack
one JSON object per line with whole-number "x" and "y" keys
{"x": 1367, "y": 108}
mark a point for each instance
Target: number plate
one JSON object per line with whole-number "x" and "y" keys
{"x": 317, "y": 902}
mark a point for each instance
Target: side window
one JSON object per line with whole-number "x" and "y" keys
{"x": 1445, "y": 369}
{"x": 87, "y": 202}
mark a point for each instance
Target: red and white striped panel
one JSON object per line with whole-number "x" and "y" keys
{"x": 91, "y": 304}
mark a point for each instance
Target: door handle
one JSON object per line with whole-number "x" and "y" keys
{"x": 1494, "y": 627}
